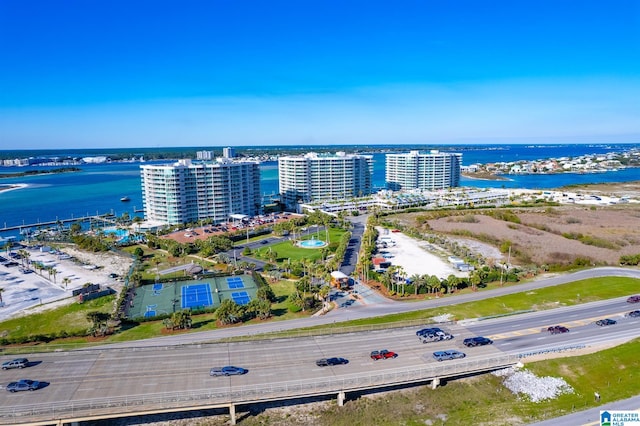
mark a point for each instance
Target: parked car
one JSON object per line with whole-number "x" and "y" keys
{"x": 606, "y": 321}
{"x": 325, "y": 362}
{"x": 477, "y": 341}
{"x": 228, "y": 370}
{"x": 23, "y": 385}
{"x": 557, "y": 329}
{"x": 450, "y": 354}
{"x": 383, "y": 354}
{"x": 15, "y": 363}
{"x": 634, "y": 299}
{"x": 633, "y": 314}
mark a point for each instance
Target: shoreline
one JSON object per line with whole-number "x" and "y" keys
{"x": 13, "y": 187}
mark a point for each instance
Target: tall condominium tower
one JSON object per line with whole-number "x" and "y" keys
{"x": 313, "y": 177}
{"x": 432, "y": 171}
{"x": 187, "y": 192}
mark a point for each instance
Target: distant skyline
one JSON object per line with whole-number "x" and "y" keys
{"x": 117, "y": 74}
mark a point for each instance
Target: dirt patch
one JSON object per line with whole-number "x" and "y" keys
{"x": 561, "y": 234}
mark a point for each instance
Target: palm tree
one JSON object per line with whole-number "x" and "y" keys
{"x": 418, "y": 281}
{"x": 453, "y": 282}
{"x": 23, "y": 255}
{"x": 434, "y": 283}
{"x": 475, "y": 280}
{"x": 66, "y": 281}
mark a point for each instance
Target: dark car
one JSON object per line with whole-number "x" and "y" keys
{"x": 450, "y": 354}
{"x": 23, "y": 385}
{"x": 430, "y": 330}
{"x": 557, "y": 329}
{"x": 383, "y": 354}
{"x": 633, "y": 314}
{"x": 229, "y": 370}
{"x": 15, "y": 363}
{"x": 435, "y": 336}
{"x": 606, "y": 321}
{"x": 325, "y": 362}
{"x": 634, "y": 299}
{"x": 477, "y": 341}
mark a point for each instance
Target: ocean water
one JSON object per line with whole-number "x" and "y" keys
{"x": 97, "y": 188}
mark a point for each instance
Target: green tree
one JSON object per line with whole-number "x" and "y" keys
{"x": 265, "y": 292}
{"x": 75, "y": 228}
{"x": 259, "y": 308}
{"x": 98, "y": 320}
{"x": 182, "y": 319}
{"x": 138, "y": 253}
{"x": 229, "y": 312}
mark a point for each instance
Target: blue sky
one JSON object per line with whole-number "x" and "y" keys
{"x": 216, "y": 73}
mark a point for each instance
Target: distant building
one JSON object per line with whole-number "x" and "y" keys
{"x": 228, "y": 152}
{"x": 187, "y": 192}
{"x": 427, "y": 172}
{"x": 204, "y": 155}
{"x": 317, "y": 177}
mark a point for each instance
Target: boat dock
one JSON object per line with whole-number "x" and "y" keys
{"x": 107, "y": 217}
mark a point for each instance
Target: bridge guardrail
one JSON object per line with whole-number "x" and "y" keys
{"x": 551, "y": 350}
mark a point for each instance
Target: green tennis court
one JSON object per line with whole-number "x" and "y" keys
{"x": 167, "y": 297}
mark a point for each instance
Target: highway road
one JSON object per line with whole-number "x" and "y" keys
{"x": 132, "y": 372}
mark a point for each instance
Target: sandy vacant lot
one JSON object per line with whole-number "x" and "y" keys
{"x": 28, "y": 293}
{"x": 418, "y": 257}
{"x": 549, "y": 235}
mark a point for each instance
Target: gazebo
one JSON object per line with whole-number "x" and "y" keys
{"x": 339, "y": 279}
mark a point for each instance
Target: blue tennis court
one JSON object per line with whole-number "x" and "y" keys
{"x": 235, "y": 282}
{"x": 241, "y": 297}
{"x": 196, "y": 295}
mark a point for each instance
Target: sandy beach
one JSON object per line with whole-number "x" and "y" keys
{"x": 13, "y": 187}
{"x": 415, "y": 257}
{"x": 31, "y": 292}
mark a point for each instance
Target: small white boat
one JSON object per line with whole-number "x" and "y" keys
{"x": 124, "y": 199}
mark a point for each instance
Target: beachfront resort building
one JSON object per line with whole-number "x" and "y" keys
{"x": 187, "y": 192}
{"x": 427, "y": 172}
{"x": 317, "y": 177}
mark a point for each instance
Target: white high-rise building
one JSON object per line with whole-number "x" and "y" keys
{"x": 428, "y": 172}
{"x": 228, "y": 152}
{"x": 204, "y": 155}
{"x": 187, "y": 192}
{"x": 316, "y": 177}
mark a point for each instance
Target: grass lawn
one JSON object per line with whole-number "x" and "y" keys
{"x": 287, "y": 250}
{"x": 280, "y": 309}
{"x": 69, "y": 318}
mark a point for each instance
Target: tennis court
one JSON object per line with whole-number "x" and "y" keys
{"x": 168, "y": 297}
{"x": 241, "y": 297}
{"x": 235, "y": 282}
{"x": 196, "y": 296}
